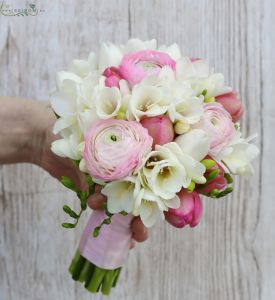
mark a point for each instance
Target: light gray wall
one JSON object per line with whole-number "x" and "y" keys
{"x": 231, "y": 254}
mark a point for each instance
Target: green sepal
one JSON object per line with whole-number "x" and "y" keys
{"x": 228, "y": 178}
{"x": 191, "y": 187}
{"x": 225, "y": 192}
{"x": 68, "y": 225}
{"x": 68, "y": 183}
{"x": 70, "y": 212}
{"x": 208, "y": 163}
{"x": 213, "y": 174}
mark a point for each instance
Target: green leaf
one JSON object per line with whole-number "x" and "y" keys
{"x": 228, "y": 178}
{"x": 68, "y": 225}
{"x": 68, "y": 183}
{"x": 208, "y": 163}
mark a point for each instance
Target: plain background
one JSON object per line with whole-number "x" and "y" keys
{"x": 230, "y": 255}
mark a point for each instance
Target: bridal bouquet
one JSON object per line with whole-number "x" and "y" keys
{"x": 156, "y": 130}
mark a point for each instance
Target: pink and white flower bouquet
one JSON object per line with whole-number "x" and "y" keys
{"x": 157, "y": 130}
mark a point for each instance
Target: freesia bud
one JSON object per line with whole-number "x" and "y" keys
{"x": 232, "y": 104}
{"x": 113, "y": 77}
{"x": 189, "y": 211}
{"x": 160, "y": 128}
{"x": 216, "y": 179}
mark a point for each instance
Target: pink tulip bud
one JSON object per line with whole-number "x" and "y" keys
{"x": 189, "y": 212}
{"x": 160, "y": 128}
{"x": 218, "y": 183}
{"x": 232, "y": 104}
{"x": 113, "y": 77}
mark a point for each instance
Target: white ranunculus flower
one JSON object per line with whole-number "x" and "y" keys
{"x": 239, "y": 157}
{"x": 110, "y": 55}
{"x": 148, "y": 101}
{"x": 164, "y": 173}
{"x": 121, "y": 194}
{"x": 108, "y": 102}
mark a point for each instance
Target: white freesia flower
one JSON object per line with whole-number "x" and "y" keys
{"x": 173, "y": 51}
{"x": 164, "y": 173}
{"x": 108, "y": 102}
{"x": 110, "y": 55}
{"x": 239, "y": 157}
{"x": 213, "y": 85}
{"x": 70, "y": 145}
{"x": 147, "y": 101}
{"x": 187, "y": 107}
{"x": 187, "y": 69}
{"x": 134, "y": 45}
{"x": 83, "y": 67}
{"x": 201, "y": 77}
{"x": 150, "y": 207}
{"x": 121, "y": 194}
{"x": 194, "y": 143}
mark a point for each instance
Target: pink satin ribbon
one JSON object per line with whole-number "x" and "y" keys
{"x": 109, "y": 250}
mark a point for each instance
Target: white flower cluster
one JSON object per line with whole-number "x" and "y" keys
{"x": 180, "y": 92}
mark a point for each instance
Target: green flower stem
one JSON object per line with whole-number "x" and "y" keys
{"x": 108, "y": 282}
{"x": 74, "y": 261}
{"x": 116, "y": 276}
{"x": 96, "y": 280}
{"x": 78, "y": 268}
{"x": 93, "y": 277}
{"x": 86, "y": 272}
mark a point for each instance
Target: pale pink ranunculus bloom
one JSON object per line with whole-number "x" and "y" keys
{"x": 232, "y": 104}
{"x": 113, "y": 77}
{"x": 160, "y": 128}
{"x": 189, "y": 212}
{"x": 114, "y": 149}
{"x": 137, "y": 65}
{"x": 218, "y": 124}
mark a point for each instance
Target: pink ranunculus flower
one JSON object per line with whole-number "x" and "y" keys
{"x": 218, "y": 183}
{"x": 232, "y": 104}
{"x": 137, "y": 65}
{"x": 193, "y": 59}
{"x": 189, "y": 212}
{"x": 114, "y": 149}
{"x": 160, "y": 128}
{"x": 113, "y": 77}
{"x": 217, "y": 123}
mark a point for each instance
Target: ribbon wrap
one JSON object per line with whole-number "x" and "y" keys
{"x": 109, "y": 250}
